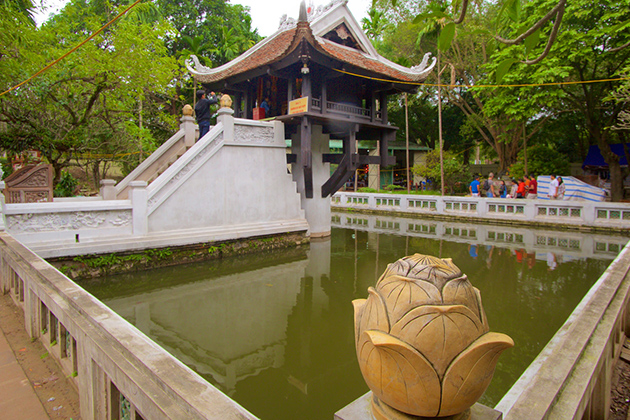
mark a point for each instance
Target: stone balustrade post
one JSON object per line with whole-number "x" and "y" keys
{"x": 530, "y": 210}
{"x": 139, "y": 202}
{"x": 108, "y": 189}
{"x": 226, "y": 117}
{"x": 440, "y": 206}
{"x": 191, "y": 130}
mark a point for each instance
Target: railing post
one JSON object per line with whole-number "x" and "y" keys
{"x": 108, "y": 189}
{"x": 189, "y": 126}
{"x": 226, "y": 117}
{"x": 139, "y": 202}
{"x": 31, "y": 310}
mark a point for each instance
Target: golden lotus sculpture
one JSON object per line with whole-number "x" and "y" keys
{"x": 423, "y": 341}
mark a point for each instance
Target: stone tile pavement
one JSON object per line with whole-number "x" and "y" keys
{"x": 17, "y": 397}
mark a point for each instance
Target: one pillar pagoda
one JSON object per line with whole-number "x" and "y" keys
{"x": 322, "y": 77}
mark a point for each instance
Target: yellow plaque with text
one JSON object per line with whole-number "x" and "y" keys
{"x": 297, "y": 106}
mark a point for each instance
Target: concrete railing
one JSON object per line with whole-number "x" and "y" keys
{"x": 116, "y": 368}
{"x": 540, "y": 212}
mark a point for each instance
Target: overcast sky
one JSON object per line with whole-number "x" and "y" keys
{"x": 265, "y": 13}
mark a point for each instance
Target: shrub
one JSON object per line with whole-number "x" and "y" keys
{"x": 366, "y": 190}
{"x": 66, "y": 186}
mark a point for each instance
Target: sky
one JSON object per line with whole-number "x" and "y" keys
{"x": 265, "y": 14}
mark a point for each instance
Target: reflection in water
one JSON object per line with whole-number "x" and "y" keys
{"x": 275, "y": 332}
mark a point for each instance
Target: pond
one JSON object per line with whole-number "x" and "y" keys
{"x": 275, "y": 331}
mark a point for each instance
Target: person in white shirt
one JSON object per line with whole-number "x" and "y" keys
{"x": 553, "y": 188}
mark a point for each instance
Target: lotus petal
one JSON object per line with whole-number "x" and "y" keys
{"x": 461, "y": 292}
{"x": 402, "y": 293}
{"x": 484, "y": 319}
{"x": 374, "y": 316}
{"x": 359, "y": 306}
{"x": 399, "y": 375}
{"x": 436, "y": 271}
{"x": 470, "y": 374}
{"x": 439, "y": 333}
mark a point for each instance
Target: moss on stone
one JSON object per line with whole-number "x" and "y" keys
{"x": 92, "y": 266}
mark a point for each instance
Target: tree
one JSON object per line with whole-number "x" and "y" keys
{"x": 22, "y": 7}
{"x": 541, "y": 160}
{"x": 88, "y": 102}
{"x": 593, "y": 45}
{"x": 207, "y": 20}
{"x": 375, "y": 24}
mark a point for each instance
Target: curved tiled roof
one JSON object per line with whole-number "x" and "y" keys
{"x": 286, "y": 40}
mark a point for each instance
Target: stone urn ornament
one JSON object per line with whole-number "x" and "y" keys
{"x": 423, "y": 341}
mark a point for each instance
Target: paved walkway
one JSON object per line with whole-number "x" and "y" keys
{"x": 17, "y": 397}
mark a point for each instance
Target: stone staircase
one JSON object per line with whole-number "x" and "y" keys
{"x": 160, "y": 160}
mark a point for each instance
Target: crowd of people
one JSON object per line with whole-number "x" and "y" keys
{"x": 524, "y": 187}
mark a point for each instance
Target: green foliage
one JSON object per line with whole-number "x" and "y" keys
{"x": 7, "y": 169}
{"x": 159, "y": 254}
{"x": 541, "y": 160}
{"x": 375, "y": 25}
{"x": 66, "y": 186}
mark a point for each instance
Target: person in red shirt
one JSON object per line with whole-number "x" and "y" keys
{"x": 521, "y": 191}
{"x": 533, "y": 187}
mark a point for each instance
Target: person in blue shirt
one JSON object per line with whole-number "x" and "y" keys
{"x": 474, "y": 187}
{"x": 265, "y": 105}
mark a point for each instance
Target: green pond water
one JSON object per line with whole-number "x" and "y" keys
{"x": 275, "y": 331}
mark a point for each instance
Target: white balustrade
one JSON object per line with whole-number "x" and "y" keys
{"x": 544, "y": 212}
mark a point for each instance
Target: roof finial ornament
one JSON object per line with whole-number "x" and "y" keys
{"x": 303, "y": 16}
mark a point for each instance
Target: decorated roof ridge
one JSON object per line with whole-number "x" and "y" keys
{"x": 284, "y": 41}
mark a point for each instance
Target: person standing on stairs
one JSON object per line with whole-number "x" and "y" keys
{"x": 202, "y": 111}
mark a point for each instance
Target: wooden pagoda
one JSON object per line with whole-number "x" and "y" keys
{"x": 318, "y": 70}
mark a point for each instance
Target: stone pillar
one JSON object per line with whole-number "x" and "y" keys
{"x": 191, "y": 131}
{"x": 139, "y": 202}
{"x": 374, "y": 172}
{"x": 108, "y": 189}
{"x": 316, "y": 209}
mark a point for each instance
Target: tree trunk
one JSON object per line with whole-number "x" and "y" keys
{"x": 616, "y": 184}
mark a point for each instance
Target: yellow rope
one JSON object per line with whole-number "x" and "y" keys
{"x": 484, "y": 86}
{"x": 72, "y": 50}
